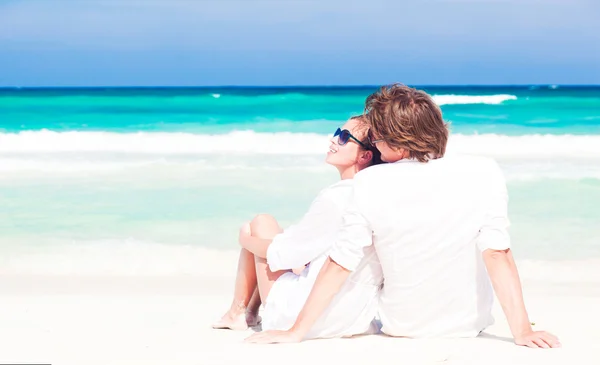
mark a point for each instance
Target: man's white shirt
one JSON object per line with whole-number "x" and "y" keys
{"x": 428, "y": 224}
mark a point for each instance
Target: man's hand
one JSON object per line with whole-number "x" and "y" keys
{"x": 538, "y": 339}
{"x": 503, "y": 273}
{"x": 274, "y": 337}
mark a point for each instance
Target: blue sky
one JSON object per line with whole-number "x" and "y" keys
{"x": 298, "y": 42}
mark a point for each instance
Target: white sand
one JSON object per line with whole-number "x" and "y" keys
{"x": 62, "y": 319}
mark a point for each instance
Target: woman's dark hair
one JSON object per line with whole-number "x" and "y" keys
{"x": 364, "y": 127}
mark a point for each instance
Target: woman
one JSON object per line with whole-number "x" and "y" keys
{"x": 284, "y": 283}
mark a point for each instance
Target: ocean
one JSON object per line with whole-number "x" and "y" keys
{"x": 143, "y": 181}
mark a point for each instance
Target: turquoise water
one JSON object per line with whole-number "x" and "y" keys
{"x": 479, "y": 110}
{"x": 182, "y": 168}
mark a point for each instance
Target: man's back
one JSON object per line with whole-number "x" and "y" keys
{"x": 430, "y": 222}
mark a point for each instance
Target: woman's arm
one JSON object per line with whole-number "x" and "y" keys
{"x": 345, "y": 257}
{"x": 314, "y": 235}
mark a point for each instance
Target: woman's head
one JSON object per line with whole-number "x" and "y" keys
{"x": 350, "y": 149}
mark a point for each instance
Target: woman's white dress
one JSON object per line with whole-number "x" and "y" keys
{"x": 352, "y": 310}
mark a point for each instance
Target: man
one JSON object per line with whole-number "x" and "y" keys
{"x": 436, "y": 224}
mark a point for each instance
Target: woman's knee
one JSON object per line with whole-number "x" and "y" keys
{"x": 264, "y": 226}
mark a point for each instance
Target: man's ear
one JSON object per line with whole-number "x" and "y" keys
{"x": 365, "y": 158}
{"x": 404, "y": 153}
{"x": 401, "y": 152}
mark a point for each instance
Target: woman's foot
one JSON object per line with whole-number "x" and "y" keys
{"x": 233, "y": 321}
{"x": 237, "y": 320}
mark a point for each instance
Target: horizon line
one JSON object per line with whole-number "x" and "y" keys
{"x": 285, "y": 86}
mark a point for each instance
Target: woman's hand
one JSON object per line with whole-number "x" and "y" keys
{"x": 275, "y": 337}
{"x": 299, "y": 270}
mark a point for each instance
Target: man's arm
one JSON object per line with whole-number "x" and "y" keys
{"x": 507, "y": 285}
{"x": 494, "y": 242}
{"x": 503, "y": 273}
{"x": 329, "y": 282}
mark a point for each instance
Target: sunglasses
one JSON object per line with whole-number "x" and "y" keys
{"x": 373, "y": 141}
{"x": 344, "y": 136}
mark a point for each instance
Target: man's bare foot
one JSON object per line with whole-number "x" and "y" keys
{"x": 232, "y": 321}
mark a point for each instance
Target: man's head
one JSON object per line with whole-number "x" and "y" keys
{"x": 405, "y": 123}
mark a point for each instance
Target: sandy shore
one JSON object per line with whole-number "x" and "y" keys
{"x": 166, "y": 320}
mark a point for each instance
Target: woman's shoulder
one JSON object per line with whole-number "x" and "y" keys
{"x": 337, "y": 192}
{"x": 340, "y": 186}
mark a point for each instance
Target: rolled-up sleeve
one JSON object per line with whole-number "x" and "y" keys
{"x": 354, "y": 236}
{"x": 494, "y": 231}
{"x": 311, "y": 237}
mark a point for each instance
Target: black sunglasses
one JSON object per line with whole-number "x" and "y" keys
{"x": 344, "y": 136}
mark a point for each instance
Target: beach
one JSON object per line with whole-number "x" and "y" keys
{"x": 120, "y": 209}
{"x": 117, "y": 319}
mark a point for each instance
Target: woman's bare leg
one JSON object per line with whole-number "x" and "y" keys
{"x": 253, "y": 281}
{"x": 252, "y": 318}
{"x": 265, "y": 226}
{"x": 242, "y": 312}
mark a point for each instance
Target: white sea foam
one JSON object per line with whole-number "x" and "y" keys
{"x": 162, "y": 143}
{"x": 193, "y": 168}
{"x": 527, "y": 146}
{"x": 528, "y": 157}
{"x": 70, "y": 165}
{"x": 472, "y": 99}
{"x": 440, "y": 99}
{"x": 284, "y": 143}
{"x": 63, "y": 164}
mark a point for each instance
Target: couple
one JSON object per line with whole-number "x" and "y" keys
{"x": 418, "y": 242}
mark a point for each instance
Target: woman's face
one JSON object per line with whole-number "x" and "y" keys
{"x": 346, "y": 155}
